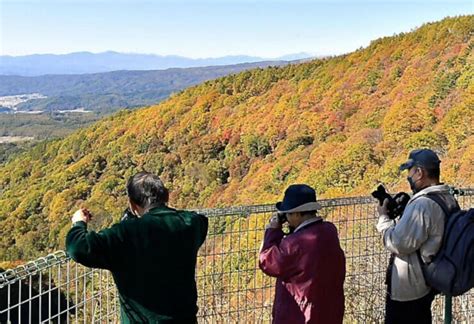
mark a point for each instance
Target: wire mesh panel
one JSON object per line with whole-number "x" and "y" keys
{"x": 231, "y": 288}
{"x": 366, "y": 261}
{"x": 55, "y": 289}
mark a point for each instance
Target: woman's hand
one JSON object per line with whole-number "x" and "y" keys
{"x": 273, "y": 222}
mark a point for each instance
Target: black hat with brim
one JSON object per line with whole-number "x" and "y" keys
{"x": 298, "y": 198}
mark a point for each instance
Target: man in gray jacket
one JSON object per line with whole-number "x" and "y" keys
{"x": 420, "y": 228}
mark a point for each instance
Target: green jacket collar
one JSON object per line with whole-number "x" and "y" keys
{"x": 159, "y": 210}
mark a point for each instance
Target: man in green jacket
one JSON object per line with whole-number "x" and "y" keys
{"x": 152, "y": 256}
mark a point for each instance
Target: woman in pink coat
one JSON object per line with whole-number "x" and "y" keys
{"x": 309, "y": 263}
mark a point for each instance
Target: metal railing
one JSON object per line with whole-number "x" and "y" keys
{"x": 231, "y": 287}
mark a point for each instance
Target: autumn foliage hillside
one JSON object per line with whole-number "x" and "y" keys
{"x": 341, "y": 124}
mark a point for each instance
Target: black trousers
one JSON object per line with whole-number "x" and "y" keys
{"x": 416, "y": 311}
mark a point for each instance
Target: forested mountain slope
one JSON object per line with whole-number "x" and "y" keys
{"x": 341, "y": 124}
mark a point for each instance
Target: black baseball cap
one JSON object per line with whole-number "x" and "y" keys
{"x": 424, "y": 158}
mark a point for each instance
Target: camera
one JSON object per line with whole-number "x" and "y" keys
{"x": 396, "y": 204}
{"x": 282, "y": 217}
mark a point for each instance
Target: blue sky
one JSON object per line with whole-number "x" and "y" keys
{"x": 212, "y": 28}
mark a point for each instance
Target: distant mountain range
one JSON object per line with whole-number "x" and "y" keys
{"x": 85, "y": 62}
{"x": 106, "y": 92}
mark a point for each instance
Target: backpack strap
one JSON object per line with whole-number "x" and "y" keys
{"x": 437, "y": 199}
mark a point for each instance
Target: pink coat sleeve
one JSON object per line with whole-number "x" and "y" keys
{"x": 278, "y": 257}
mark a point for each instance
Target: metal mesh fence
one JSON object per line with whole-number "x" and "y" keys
{"x": 55, "y": 289}
{"x": 231, "y": 287}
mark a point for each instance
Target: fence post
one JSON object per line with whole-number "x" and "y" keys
{"x": 448, "y": 309}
